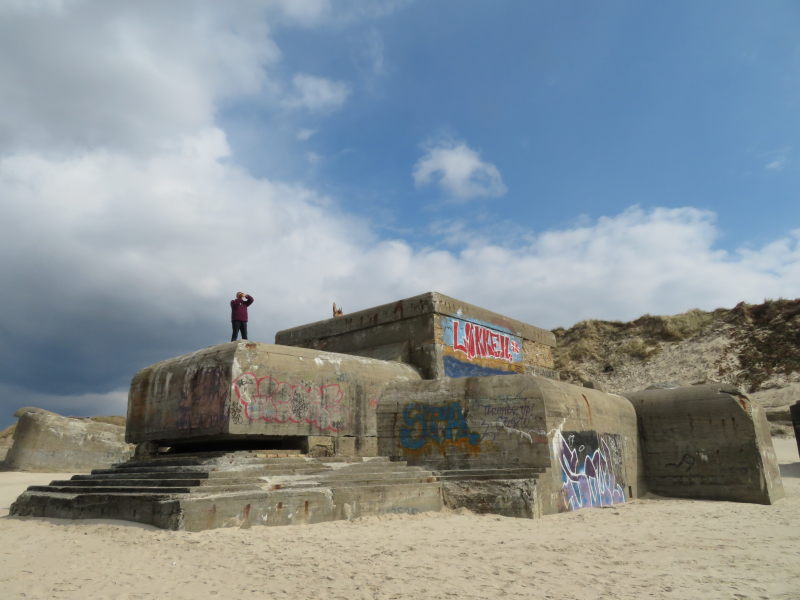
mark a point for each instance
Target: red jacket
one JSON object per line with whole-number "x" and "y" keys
{"x": 239, "y": 308}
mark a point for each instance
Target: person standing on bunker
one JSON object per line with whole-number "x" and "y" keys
{"x": 239, "y": 314}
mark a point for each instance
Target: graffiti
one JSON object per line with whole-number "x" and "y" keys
{"x": 203, "y": 396}
{"x": 512, "y": 416}
{"x": 593, "y": 482}
{"x": 270, "y": 400}
{"x": 493, "y": 419}
{"x": 236, "y": 413}
{"x": 477, "y": 341}
{"x": 402, "y": 510}
{"x": 439, "y": 425}
{"x": 686, "y": 463}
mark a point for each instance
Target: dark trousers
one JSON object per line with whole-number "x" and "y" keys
{"x": 237, "y": 327}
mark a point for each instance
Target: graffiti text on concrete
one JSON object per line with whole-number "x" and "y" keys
{"x": 592, "y": 483}
{"x": 439, "y": 425}
{"x": 273, "y": 401}
{"x": 477, "y": 341}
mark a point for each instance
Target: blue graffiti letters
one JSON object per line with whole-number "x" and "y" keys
{"x": 423, "y": 424}
{"x": 591, "y": 483}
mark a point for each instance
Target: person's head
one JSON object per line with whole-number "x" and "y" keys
{"x": 239, "y": 295}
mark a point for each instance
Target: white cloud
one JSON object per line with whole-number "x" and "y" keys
{"x": 776, "y": 165}
{"x": 778, "y": 158}
{"x": 119, "y": 254}
{"x": 372, "y": 52}
{"x": 88, "y": 74}
{"x": 305, "y": 134}
{"x": 321, "y": 12}
{"x": 302, "y": 12}
{"x": 316, "y": 93}
{"x": 459, "y": 171}
{"x": 135, "y": 232}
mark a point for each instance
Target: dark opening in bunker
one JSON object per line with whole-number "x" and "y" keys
{"x": 287, "y": 442}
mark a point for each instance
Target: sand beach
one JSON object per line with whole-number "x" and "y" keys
{"x": 648, "y": 548}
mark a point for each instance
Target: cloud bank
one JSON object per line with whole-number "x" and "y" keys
{"x": 78, "y": 75}
{"x": 127, "y": 227}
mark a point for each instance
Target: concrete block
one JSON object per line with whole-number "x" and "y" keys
{"x": 45, "y": 441}
{"x": 345, "y": 446}
{"x": 707, "y": 441}
{"x": 320, "y": 445}
{"x": 506, "y": 497}
{"x": 248, "y": 391}
{"x": 367, "y": 446}
{"x": 441, "y": 336}
{"x": 277, "y": 507}
{"x": 357, "y": 501}
{"x": 585, "y": 440}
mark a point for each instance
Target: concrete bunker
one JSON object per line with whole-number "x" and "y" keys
{"x": 246, "y": 395}
{"x": 707, "y": 441}
{"x": 405, "y": 407}
{"x": 579, "y": 445}
{"x": 439, "y": 335}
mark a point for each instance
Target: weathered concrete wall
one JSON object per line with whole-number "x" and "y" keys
{"x": 586, "y": 439}
{"x": 246, "y": 390}
{"x": 470, "y": 422}
{"x": 594, "y": 448}
{"x": 45, "y": 441}
{"x": 441, "y": 336}
{"x": 707, "y": 441}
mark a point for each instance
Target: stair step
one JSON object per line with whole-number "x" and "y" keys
{"x": 143, "y": 475}
{"x": 151, "y": 483}
{"x": 382, "y": 467}
{"x": 391, "y": 488}
{"x": 277, "y": 469}
{"x": 384, "y": 475}
{"x": 355, "y": 482}
{"x": 352, "y": 459}
{"x": 81, "y": 490}
{"x": 212, "y": 462}
{"x": 449, "y": 474}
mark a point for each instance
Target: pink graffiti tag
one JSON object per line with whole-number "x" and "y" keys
{"x": 272, "y": 401}
{"x": 483, "y": 342}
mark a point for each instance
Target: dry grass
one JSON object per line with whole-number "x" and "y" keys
{"x": 764, "y": 342}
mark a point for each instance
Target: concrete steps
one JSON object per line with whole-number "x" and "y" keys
{"x": 201, "y": 491}
{"x": 240, "y": 489}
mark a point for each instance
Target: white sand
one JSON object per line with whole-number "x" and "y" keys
{"x": 652, "y": 548}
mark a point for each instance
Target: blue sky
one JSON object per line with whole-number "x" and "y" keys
{"x": 553, "y": 161}
{"x": 585, "y": 108}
